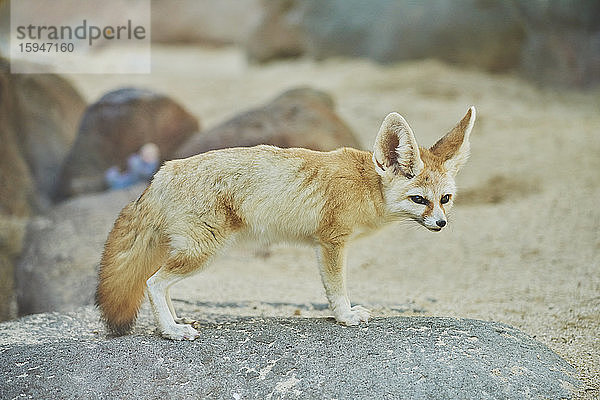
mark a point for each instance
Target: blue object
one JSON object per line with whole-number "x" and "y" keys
{"x": 138, "y": 170}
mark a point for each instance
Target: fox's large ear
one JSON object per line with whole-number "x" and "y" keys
{"x": 396, "y": 148}
{"x": 454, "y": 147}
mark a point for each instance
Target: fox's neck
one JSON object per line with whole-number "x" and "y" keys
{"x": 366, "y": 190}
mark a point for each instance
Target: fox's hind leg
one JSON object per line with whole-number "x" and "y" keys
{"x": 187, "y": 257}
{"x": 332, "y": 265}
{"x": 157, "y": 293}
{"x": 178, "y": 320}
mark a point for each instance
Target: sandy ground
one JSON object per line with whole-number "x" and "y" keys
{"x": 523, "y": 244}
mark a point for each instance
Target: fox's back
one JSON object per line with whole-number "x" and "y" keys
{"x": 270, "y": 193}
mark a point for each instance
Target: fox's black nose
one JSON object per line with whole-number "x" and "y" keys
{"x": 441, "y": 223}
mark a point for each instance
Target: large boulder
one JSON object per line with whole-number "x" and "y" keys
{"x": 49, "y": 110}
{"x": 8, "y": 305}
{"x": 301, "y": 117}
{"x": 212, "y": 22}
{"x": 277, "y": 33}
{"x": 12, "y": 230}
{"x": 17, "y": 187}
{"x": 554, "y": 42}
{"x": 115, "y": 127}
{"x": 58, "y": 266}
{"x": 477, "y": 33}
{"x": 39, "y": 115}
{"x": 69, "y": 356}
{"x": 563, "y": 41}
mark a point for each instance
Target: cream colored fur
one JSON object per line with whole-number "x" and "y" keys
{"x": 196, "y": 207}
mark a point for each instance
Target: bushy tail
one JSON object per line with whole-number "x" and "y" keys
{"x": 132, "y": 253}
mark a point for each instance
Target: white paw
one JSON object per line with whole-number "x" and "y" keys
{"x": 188, "y": 321}
{"x": 354, "y": 316}
{"x": 185, "y": 321}
{"x": 180, "y": 332}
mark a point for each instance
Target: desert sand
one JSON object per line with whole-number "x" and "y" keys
{"x": 523, "y": 243}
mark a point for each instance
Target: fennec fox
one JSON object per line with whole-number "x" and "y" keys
{"x": 197, "y": 206}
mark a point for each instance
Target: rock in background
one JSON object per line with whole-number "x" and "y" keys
{"x": 480, "y": 34}
{"x": 278, "y": 33}
{"x": 39, "y": 116}
{"x": 552, "y": 42}
{"x": 57, "y": 270}
{"x": 555, "y": 42}
{"x": 562, "y": 43}
{"x": 115, "y": 127}
{"x": 12, "y": 230}
{"x": 210, "y": 22}
{"x": 301, "y": 117}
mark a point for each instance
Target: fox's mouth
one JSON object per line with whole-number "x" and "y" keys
{"x": 431, "y": 228}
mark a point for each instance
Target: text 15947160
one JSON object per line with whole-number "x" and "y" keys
{"x": 46, "y": 47}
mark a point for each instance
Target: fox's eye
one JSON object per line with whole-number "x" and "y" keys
{"x": 445, "y": 198}
{"x": 419, "y": 200}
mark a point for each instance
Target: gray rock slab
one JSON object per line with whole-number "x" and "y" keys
{"x": 69, "y": 356}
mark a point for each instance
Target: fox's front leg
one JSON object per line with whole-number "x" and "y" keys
{"x": 332, "y": 265}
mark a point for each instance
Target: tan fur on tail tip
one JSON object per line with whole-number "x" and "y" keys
{"x": 131, "y": 255}
{"x": 118, "y": 318}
